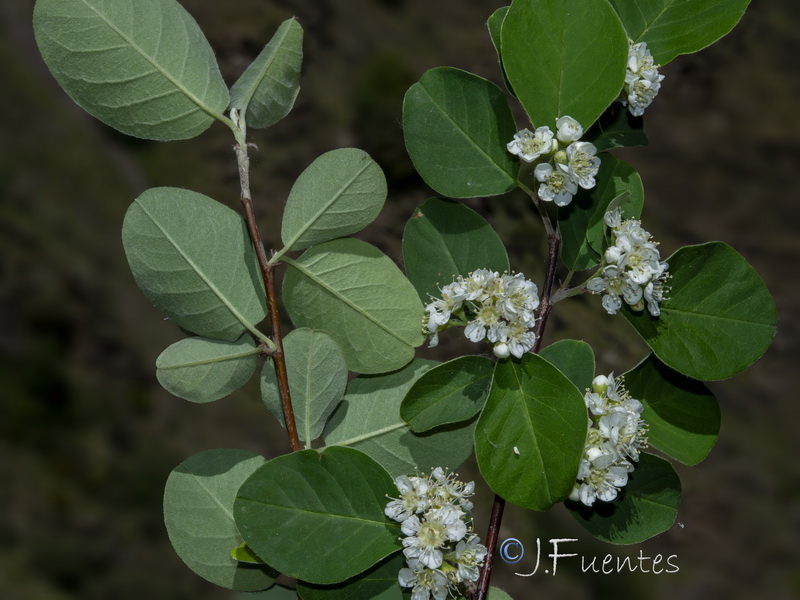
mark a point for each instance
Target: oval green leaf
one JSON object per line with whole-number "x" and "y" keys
{"x": 456, "y": 126}
{"x": 266, "y": 91}
{"x": 444, "y": 239}
{"x": 495, "y": 25}
{"x": 564, "y": 57}
{"x": 276, "y": 592}
{"x": 673, "y": 27}
{"x": 575, "y": 359}
{"x": 647, "y": 506}
{"x": 141, "y": 66}
{"x": 531, "y": 433}
{"x": 338, "y": 194}
{"x": 203, "y": 370}
{"x": 719, "y": 317}
{"x": 356, "y": 294}
{"x": 317, "y": 376}
{"x": 616, "y": 128}
{"x": 449, "y": 393}
{"x": 198, "y": 514}
{"x": 378, "y": 583}
{"x": 682, "y": 415}
{"x": 369, "y": 420}
{"x": 318, "y": 516}
{"x": 581, "y": 222}
{"x": 193, "y": 259}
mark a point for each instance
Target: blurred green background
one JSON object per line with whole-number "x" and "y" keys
{"x": 87, "y": 437}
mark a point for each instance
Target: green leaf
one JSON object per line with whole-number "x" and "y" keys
{"x": 682, "y": 414}
{"x": 444, "y": 239}
{"x": 202, "y": 370}
{"x": 378, "y": 583}
{"x": 647, "y": 506}
{"x": 719, "y": 317}
{"x": 495, "y": 25}
{"x": 141, "y": 66}
{"x": 318, "y": 516}
{"x": 198, "y": 514}
{"x": 243, "y": 553}
{"x": 531, "y": 433}
{"x": 456, "y": 127}
{"x": 356, "y": 294}
{"x": 449, "y": 393}
{"x": 193, "y": 259}
{"x": 266, "y": 91}
{"x": 369, "y": 420}
{"x": 574, "y": 359}
{"x": 338, "y": 194}
{"x": 581, "y": 222}
{"x": 564, "y": 57}
{"x": 673, "y": 27}
{"x": 276, "y": 592}
{"x": 317, "y": 376}
{"x": 616, "y": 128}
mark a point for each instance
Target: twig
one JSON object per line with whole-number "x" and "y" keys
{"x": 268, "y": 273}
{"x": 554, "y": 245}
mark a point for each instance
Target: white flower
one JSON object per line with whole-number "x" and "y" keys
{"x": 529, "y": 145}
{"x": 440, "y": 548}
{"x": 469, "y": 556}
{"x": 569, "y": 130}
{"x": 616, "y": 434}
{"x": 642, "y": 79}
{"x": 582, "y": 163}
{"x": 557, "y": 185}
{"x": 426, "y": 582}
{"x": 633, "y": 268}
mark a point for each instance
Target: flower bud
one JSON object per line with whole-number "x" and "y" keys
{"x": 600, "y": 384}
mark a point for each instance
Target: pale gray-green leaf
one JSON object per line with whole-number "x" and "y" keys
{"x": 193, "y": 259}
{"x": 266, "y": 91}
{"x": 317, "y": 376}
{"x": 141, "y": 66}
{"x": 369, "y": 420}
{"x": 340, "y": 193}
{"x": 203, "y": 370}
{"x": 198, "y": 514}
{"x": 356, "y": 294}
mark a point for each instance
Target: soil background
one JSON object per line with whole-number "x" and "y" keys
{"x": 87, "y": 436}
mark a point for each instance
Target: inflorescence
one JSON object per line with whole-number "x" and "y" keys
{"x": 496, "y": 307}
{"x": 642, "y": 79}
{"x": 440, "y": 547}
{"x": 570, "y": 163}
{"x": 632, "y": 268}
{"x": 616, "y": 435}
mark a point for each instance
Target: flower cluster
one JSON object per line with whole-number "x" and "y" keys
{"x": 632, "y": 268}
{"x": 440, "y": 548}
{"x": 571, "y": 163}
{"x": 642, "y": 79}
{"x": 496, "y": 307}
{"x": 616, "y": 435}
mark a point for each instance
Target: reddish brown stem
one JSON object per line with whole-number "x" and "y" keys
{"x": 496, "y": 518}
{"x": 268, "y": 273}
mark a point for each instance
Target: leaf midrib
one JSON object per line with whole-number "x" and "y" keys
{"x": 208, "y": 361}
{"x": 333, "y": 292}
{"x": 220, "y": 296}
{"x": 466, "y": 136}
{"x": 199, "y": 103}
{"x": 260, "y": 77}
{"x": 324, "y": 208}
